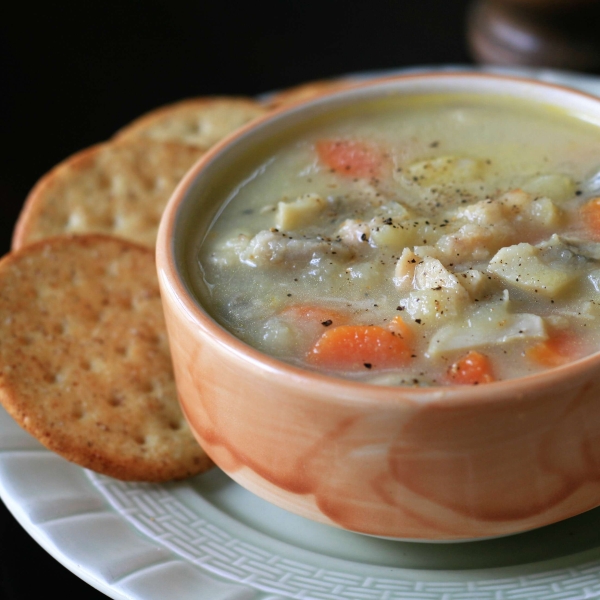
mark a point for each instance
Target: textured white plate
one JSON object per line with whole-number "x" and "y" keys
{"x": 209, "y": 539}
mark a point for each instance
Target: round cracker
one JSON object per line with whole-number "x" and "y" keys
{"x": 198, "y": 122}
{"x": 84, "y": 358}
{"x": 115, "y": 188}
{"x": 308, "y": 91}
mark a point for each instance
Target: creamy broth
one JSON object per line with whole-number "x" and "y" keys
{"x": 422, "y": 241}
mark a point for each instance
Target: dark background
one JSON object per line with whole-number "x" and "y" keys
{"x": 71, "y": 74}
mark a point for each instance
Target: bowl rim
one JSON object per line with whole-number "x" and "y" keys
{"x": 171, "y": 280}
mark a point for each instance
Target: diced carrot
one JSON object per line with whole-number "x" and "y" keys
{"x": 308, "y": 313}
{"x": 311, "y": 321}
{"x": 353, "y": 158}
{"x": 559, "y": 349}
{"x": 472, "y": 369}
{"x": 398, "y": 327}
{"x": 590, "y": 214}
{"x": 359, "y": 347}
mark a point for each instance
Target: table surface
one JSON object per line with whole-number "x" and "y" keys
{"x": 72, "y": 75}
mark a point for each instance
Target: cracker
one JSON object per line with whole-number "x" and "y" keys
{"x": 118, "y": 189}
{"x": 84, "y": 358}
{"x": 198, "y": 122}
{"x": 308, "y": 91}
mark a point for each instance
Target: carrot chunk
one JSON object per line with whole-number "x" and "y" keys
{"x": 590, "y": 214}
{"x": 398, "y": 327}
{"x": 359, "y": 347}
{"x": 308, "y": 314}
{"x": 472, "y": 369}
{"x": 559, "y": 349}
{"x": 353, "y": 158}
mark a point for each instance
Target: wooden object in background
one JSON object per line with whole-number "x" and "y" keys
{"x": 560, "y": 34}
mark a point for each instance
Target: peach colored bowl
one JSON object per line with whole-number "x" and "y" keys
{"x": 448, "y": 463}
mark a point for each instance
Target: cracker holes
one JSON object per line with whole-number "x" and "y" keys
{"x": 146, "y": 387}
{"x": 54, "y": 378}
{"x": 175, "y": 425}
{"x": 116, "y": 400}
{"x": 139, "y": 439}
{"x": 26, "y": 340}
{"x": 125, "y": 302}
{"x": 61, "y": 328}
{"x": 155, "y": 339}
{"x": 105, "y": 222}
{"x": 152, "y": 220}
{"x": 77, "y": 412}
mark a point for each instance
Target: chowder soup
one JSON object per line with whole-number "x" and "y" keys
{"x": 417, "y": 241}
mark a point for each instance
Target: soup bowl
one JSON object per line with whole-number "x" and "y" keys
{"x": 441, "y": 463}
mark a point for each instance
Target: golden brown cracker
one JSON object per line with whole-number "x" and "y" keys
{"x": 198, "y": 122}
{"x": 118, "y": 189}
{"x": 308, "y": 91}
{"x": 84, "y": 358}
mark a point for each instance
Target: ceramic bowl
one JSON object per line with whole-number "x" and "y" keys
{"x": 440, "y": 463}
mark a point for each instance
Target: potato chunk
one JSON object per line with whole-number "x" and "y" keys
{"x": 520, "y": 266}
{"x": 446, "y": 170}
{"x": 443, "y": 303}
{"x": 555, "y": 186}
{"x": 474, "y": 281}
{"x": 391, "y": 235}
{"x": 299, "y": 213}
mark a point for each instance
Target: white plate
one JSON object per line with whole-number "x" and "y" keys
{"x": 209, "y": 539}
